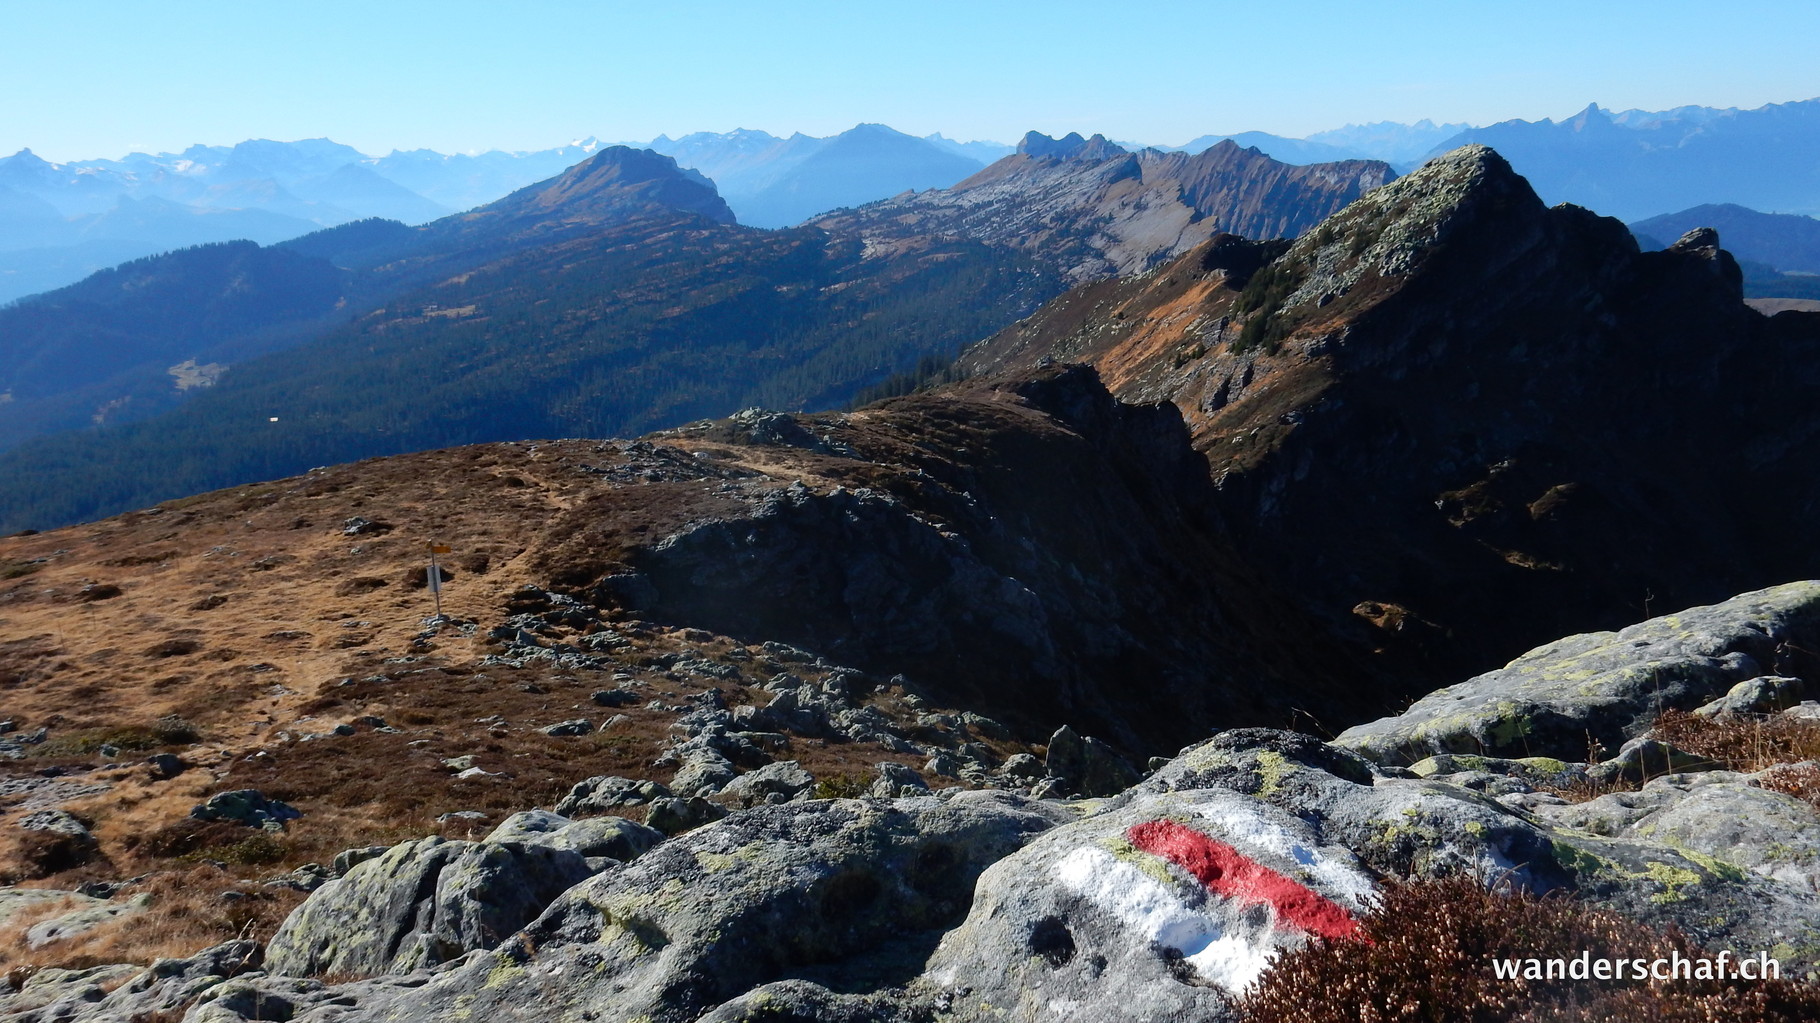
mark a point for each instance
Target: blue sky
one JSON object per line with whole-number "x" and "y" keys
{"x": 104, "y": 78}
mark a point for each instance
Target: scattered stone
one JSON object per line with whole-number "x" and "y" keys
{"x": 1022, "y": 765}
{"x": 982, "y": 725}
{"x": 461, "y": 763}
{"x": 57, "y": 822}
{"x": 615, "y": 697}
{"x": 347, "y": 858}
{"x": 611, "y": 837}
{"x": 574, "y": 726}
{"x": 358, "y": 526}
{"x": 704, "y": 772}
{"x": 942, "y": 766}
{"x": 249, "y": 807}
{"x": 896, "y": 781}
{"x": 306, "y": 878}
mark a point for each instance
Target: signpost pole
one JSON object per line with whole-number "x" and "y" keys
{"x": 435, "y": 576}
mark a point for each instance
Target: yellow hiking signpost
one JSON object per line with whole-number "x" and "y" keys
{"x": 434, "y": 578}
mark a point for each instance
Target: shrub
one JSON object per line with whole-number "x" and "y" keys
{"x": 1426, "y": 957}
{"x": 841, "y": 786}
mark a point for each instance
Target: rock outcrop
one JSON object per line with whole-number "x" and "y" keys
{"x": 1456, "y": 424}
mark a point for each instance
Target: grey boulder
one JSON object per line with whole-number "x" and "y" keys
{"x": 605, "y": 793}
{"x": 772, "y": 783}
{"x": 422, "y": 903}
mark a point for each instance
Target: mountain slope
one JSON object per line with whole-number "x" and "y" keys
{"x": 1091, "y": 209}
{"x": 1397, "y": 411}
{"x": 112, "y": 345}
{"x": 616, "y": 298}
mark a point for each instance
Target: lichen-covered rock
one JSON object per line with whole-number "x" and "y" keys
{"x": 1719, "y": 818}
{"x": 1531, "y": 772}
{"x": 160, "y": 991}
{"x": 1606, "y": 686}
{"x": 1159, "y": 909}
{"x": 772, "y": 783}
{"x": 849, "y": 892}
{"x": 422, "y": 903}
{"x": 605, "y": 793}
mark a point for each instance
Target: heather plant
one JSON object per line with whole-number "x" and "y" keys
{"x": 1425, "y": 955}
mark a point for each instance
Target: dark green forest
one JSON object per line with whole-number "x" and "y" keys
{"x": 644, "y": 325}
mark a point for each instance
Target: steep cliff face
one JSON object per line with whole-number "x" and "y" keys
{"x": 1456, "y": 422}
{"x": 1027, "y": 546}
{"x": 1093, "y": 209}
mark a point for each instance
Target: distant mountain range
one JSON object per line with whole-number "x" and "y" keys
{"x": 60, "y": 222}
{"x": 617, "y": 297}
{"x": 1639, "y": 164}
{"x": 779, "y": 182}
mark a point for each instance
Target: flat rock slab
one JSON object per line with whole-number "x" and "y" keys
{"x": 1603, "y": 686}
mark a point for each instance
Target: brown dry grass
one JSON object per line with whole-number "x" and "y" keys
{"x": 1743, "y": 742}
{"x": 186, "y": 912}
{"x": 228, "y": 627}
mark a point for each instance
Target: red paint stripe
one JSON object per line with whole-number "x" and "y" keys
{"x": 1229, "y": 873}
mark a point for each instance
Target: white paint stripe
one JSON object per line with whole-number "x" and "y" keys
{"x": 1218, "y": 944}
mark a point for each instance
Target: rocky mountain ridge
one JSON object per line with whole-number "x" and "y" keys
{"x": 1093, "y": 209}
{"x": 1395, "y": 407}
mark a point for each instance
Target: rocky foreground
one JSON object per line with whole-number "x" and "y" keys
{"x": 1163, "y": 901}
